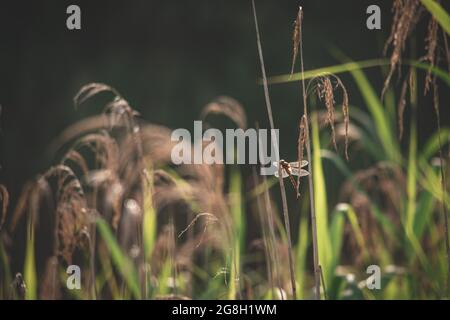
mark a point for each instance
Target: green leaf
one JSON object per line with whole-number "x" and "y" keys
{"x": 320, "y": 204}
{"x": 29, "y": 272}
{"x": 382, "y": 122}
{"x": 441, "y": 16}
{"x": 301, "y": 252}
{"x": 432, "y": 145}
{"x": 120, "y": 260}
{"x": 411, "y": 188}
{"x": 356, "y": 65}
{"x": 336, "y": 69}
{"x": 345, "y": 170}
{"x": 149, "y": 221}
{"x": 238, "y": 233}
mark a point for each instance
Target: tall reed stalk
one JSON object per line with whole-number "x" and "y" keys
{"x": 308, "y": 154}
{"x": 271, "y": 224}
{"x": 266, "y": 239}
{"x": 280, "y": 177}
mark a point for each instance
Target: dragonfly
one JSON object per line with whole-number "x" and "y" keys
{"x": 290, "y": 169}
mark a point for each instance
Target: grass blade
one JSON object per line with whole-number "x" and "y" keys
{"x": 320, "y": 204}
{"x": 441, "y": 16}
{"x": 120, "y": 260}
{"x": 29, "y": 271}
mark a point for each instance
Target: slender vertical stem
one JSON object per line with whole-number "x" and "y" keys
{"x": 92, "y": 244}
{"x": 190, "y": 282}
{"x": 271, "y": 241}
{"x": 310, "y": 176}
{"x": 271, "y": 223}
{"x": 323, "y": 282}
{"x": 288, "y": 231}
{"x": 93, "y": 289}
{"x": 280, "y": 178}
{"x": 265, "y": 236}
{"x": 172, "y": 253}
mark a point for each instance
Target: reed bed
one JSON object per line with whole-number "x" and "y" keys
{"x": 141, "y": 227}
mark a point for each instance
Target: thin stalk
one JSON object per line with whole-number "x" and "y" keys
{"x": 280, "y": 178}
{"x": 272, "y": 235}
{"x": 136, "y": 135}
{"x": 92, "y": 245}
{"x": 172, "y": 253}
{"x": 267, "y": 217}
{"x": 91, "y": 239}
{"x": 190, "y": 239}
{"x": 266, "y": 239}
{"x": 323, "y": 281}
{"x": 310, "y": 176}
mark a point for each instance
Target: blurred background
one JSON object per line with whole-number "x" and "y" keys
{"x": 168, "y": 59}
{"x": 171, "y": 58}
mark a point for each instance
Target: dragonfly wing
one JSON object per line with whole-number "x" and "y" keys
{"x": 299, "y": 172}
{"x": 304, "y": 163}
{"x": 303, "y": 173}
{"x": 284, "y": 173}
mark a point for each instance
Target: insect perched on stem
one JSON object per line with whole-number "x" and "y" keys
{"x": 290, "y": 169}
